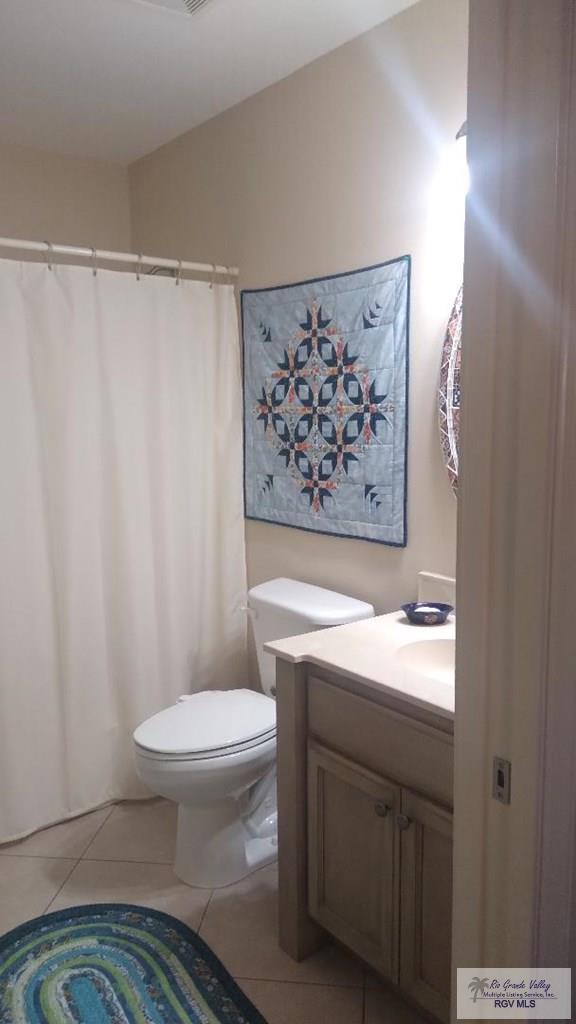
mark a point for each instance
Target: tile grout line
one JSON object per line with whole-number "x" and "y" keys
{"x": 66, "y": 821}
{"x": 113, "y": 807}
{"x": 76, "y": 863}
{"x": 92, "y": 860}
{"x": 123, "y": 860}
{"x": 32, "y": 856}
{"x": 205, "y": 911}
{"x": 300, "y": 981}
{"x": 57, "y": 893}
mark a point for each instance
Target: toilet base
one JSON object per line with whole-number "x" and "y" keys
{"x": 216, "y": 847}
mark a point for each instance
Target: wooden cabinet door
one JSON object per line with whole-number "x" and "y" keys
{"x": 426, "y": 902}
{"x": 353, "y": 862}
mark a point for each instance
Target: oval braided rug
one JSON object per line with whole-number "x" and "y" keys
{"x": 113, "y": 963}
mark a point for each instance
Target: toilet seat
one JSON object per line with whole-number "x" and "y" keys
{"x": 211, "y": 755}
{"x": 207, "y": 725}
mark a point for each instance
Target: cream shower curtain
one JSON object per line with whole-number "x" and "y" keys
{"x": 122, "y": 570}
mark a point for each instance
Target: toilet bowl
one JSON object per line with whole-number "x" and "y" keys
{"x": 214, "y": 752}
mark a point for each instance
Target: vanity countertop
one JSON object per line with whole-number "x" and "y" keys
{"x": 373, "y": 652}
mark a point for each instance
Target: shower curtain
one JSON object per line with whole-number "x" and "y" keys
{"x": 122, "y": 571}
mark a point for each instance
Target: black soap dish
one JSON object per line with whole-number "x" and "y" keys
{"x": 427, "y": 613}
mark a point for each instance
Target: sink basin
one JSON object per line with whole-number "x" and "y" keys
{"x": 431, "y": 658}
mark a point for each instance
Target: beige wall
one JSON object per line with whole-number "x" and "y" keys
{"x": 45, "y": 195}
{"x": 329, "y": 170}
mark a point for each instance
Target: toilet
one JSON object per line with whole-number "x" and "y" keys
{"x": 214, "y": 752}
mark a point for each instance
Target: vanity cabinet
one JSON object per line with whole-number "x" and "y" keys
{"x": 365, "y": 823}
{"x": 354, "y": 857}
{"x": 380, "y": 874}
{"x": 426, "y": 903}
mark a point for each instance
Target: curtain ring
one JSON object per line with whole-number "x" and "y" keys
{"x": 179, "y": 273}
{"x": 139, "y": 266}
{"x": 94, "y": 267}
{"x": 48, "y": 254}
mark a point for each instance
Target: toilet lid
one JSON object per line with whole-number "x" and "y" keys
{"x": 208, "y": 721}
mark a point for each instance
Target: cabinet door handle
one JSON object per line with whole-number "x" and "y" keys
{"x": 403, "y": 822}
{"x": 382, "y": 809}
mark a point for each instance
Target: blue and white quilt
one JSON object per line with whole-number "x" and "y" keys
{"x": 325, "y": 403}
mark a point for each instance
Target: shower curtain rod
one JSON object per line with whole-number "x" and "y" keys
{"x": 50, "y": 250}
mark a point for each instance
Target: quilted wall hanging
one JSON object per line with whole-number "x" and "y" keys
{"x": 325, "y": 403}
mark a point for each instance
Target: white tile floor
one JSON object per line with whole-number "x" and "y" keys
{"x": 124, "y": 854}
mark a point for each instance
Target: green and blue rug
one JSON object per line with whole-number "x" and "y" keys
{"x": 115, "y": 964}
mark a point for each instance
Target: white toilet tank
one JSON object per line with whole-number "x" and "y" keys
{"x": 283, "y": 607}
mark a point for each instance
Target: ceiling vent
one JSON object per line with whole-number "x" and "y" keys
{"x": 181, "y": 6}
{"x": 194, "y": 5}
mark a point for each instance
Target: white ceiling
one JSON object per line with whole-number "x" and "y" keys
{"x": 114, "y": 79}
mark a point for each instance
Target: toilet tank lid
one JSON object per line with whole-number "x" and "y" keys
{"x": 318, "y": 606}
